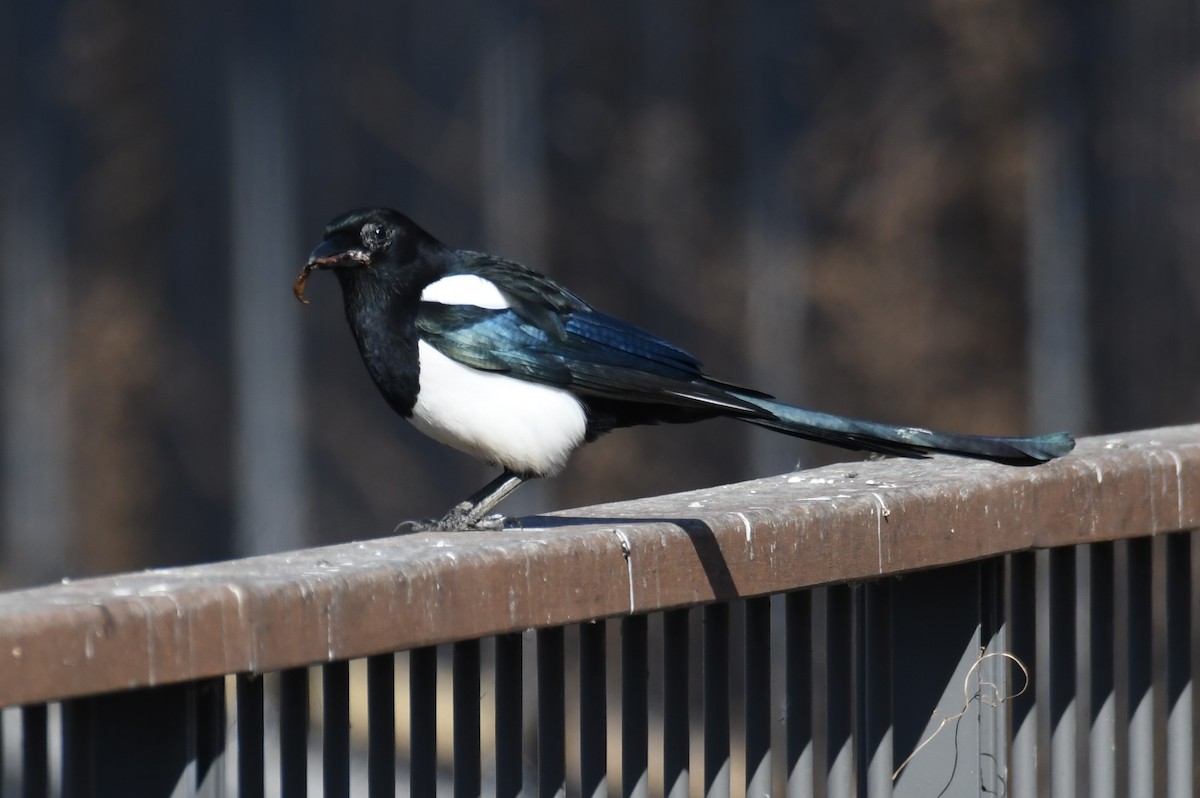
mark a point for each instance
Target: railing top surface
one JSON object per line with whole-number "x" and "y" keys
{"x": 843, "y": 522}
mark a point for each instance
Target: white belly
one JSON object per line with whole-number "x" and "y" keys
{"x": 522, "y": 426}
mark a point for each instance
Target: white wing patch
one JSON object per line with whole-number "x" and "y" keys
{"x": 524, "y": 426}
{"x": 465, "y": 289}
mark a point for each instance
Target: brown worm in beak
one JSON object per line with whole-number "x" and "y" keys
{"x": 301, "y": 279}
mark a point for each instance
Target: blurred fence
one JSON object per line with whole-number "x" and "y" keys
{"x": 902, "y": 628}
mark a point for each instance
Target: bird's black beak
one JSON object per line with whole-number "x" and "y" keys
{"x": 329, "y": 255}
{"x": 332, "y": 255}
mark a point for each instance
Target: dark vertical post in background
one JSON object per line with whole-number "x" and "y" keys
{"x": 1057, "y": 217}
{"x": 1143, "y": 189}
{"x": 34, "y": 431}
{"x": 196, "y": 274}
{"x": 264, "y": 205}
{"x": 773, "y": 214}
{"x": 513, "y": 139}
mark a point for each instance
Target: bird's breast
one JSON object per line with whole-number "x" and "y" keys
{"x": 523, "y": 426}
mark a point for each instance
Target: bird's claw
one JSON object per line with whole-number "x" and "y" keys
{"x": 453, "y": 521}
{"x": 414, "y": 525}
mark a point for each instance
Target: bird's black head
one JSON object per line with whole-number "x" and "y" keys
{"x": 379, "y": 241}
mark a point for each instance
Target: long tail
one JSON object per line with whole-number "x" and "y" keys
{"x": 871, "y": 436}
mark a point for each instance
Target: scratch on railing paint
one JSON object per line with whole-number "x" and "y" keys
{"x": 627, "y": 552}
{"x": 884, "y": 512}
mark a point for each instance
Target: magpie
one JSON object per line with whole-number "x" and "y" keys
{"x": 504, "y": 364}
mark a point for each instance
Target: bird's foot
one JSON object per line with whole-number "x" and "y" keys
{"x": 457, "y": 520}
{"x": 491, "y": 523}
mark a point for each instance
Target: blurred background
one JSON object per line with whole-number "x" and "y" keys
{"x": 977, "y": 215}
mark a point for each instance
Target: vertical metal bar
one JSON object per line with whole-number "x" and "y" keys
{"x": 1022, "y": 614}
{"x": 250, "y": 736}
{"x": 552, "y": 770}
{"x": 79, "y": 748}
{"x": 1082, "y": 670}
{"x": 422, "y": 692}
{"x": 35, "y": 760}
{"x": 143, "y": 742}
{"x": 839, "y": 765}
{"x": 635, "y": 708}
{"x": 335, "y": 693}
{"x": 858, "y": 728}
{"x": 758, "y": 696}
{"x": 293, "y": 732}
{"x": 381, "y": 726}
{"x": 716, "y": 700}
{"x": 467, "y": 765}
{"x": 996, "y": 679}
{"x": 593, "y": 711}
{"x": 1194, "y": 648}
{"x": 1042, "y": 670}
{"x": 207, "y": 701}
{"x": 676, "y": 712}
{"x": 1158, "y": 660}
{"x": 1138, "y": 684}
{"x": 509, "y": 721}
{"x": 1179, "y": 745}
{"x": 1060, "y": 661}
{"x": 875, "y": 621}
{"x": 799, "y": 686}
{"x": 1102, "y": 772}
{"x": 934, "y": 723}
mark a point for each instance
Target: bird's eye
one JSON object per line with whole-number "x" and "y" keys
{"x": 374, "y": 235}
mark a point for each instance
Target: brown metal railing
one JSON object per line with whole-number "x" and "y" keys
{"x": 857, "y": 628}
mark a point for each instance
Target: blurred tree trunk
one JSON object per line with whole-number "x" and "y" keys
{"x": 1143, "y": 68}
{"x": 35, "y": 428}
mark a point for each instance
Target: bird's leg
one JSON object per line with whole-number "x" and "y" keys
{"x": 472, "y": 513}
{"x": 468, "y": 514}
